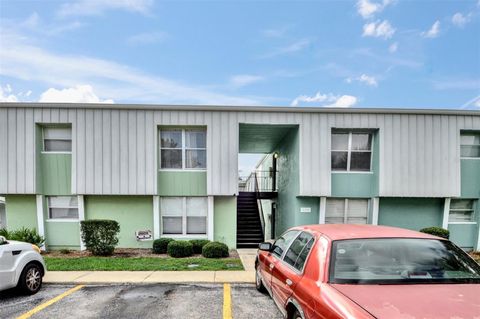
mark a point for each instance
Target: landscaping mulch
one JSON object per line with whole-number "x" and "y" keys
{"x": 119, "y": 253}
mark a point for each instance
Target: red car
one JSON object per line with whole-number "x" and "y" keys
{"x": 364, "y": 271}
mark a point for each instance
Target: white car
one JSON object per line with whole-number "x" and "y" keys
{"x": 21, "y": 266}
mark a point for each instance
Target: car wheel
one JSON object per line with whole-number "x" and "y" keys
{"x": 30, "y": 280}
{"x": 258, "y": 280}
{"x": 297, "y": 315}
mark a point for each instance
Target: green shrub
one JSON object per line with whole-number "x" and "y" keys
{"x": 160, "y": 245}
{"x": 198, "y": 245}
{"x": 436, "y": 231}
{"x": 100, "y": 236}
{"x": 180, "y": 248}
{"x": 215, "y": 250}
{"x": 28, "y": 235}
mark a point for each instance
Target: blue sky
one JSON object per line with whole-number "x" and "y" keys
{"x": 367, "y": 53}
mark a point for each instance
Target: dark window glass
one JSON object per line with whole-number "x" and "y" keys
{"x": 339, "y": 142}
{"x": 296, "y": 249}
{"x": 360, "y": 161}
{"x": 400, "y": 260}
{"x": 281, "y": 243}
{"x": 171, "y": 139}
{"x": 339, "y": 161}
{"x": 303, "y": 255}
{"x": 171, "y": 158}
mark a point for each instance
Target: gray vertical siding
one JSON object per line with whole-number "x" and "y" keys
{"x": 115, "y": 151}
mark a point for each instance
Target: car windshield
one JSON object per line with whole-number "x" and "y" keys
{"x": 399, "y": 261}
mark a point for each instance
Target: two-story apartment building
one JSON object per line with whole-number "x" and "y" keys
{"x": 173, "y": 170}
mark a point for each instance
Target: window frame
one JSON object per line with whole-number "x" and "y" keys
{"x": 476, "y": 145}
{"x": 299, "y": 271}
{"x": 349, "y": 151}
{"x": 345, "y": 209}
{"x": 184, "y": 216}
{"x": 60, "y": 126}
{"x": 472, "y": 221}
{"x": 49, "y": 207}
{"x": 183, "y": 147}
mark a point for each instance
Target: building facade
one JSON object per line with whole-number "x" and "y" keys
{"x": 172, "y": 171}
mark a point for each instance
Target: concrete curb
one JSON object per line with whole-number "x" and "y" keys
{"x": 148, "y": 277}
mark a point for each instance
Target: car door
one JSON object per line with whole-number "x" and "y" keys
{"x": 289, "y": 271}
{"x": 272, "y": 258}
{"x": 6, "y": 266}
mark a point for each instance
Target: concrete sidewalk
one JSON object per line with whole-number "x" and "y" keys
{"x": 247, "y": 256}
{"x": 116, "y": 277}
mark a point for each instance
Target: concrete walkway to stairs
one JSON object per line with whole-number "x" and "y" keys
{"x": 247, "y": 256}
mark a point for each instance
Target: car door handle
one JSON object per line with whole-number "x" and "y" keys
{"x": 271, "y": 266}
{"x": 288, "y": 282}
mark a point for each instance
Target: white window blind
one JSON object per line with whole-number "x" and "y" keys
{"x": 62, "y": 207}
{"x": 57, "y": 139}
{"x": 346, "y": 211}
{"x": 461, "y": 210}
{"x": 184, "y": 215}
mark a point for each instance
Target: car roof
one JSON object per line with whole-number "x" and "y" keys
{"x": 350, "y": 231}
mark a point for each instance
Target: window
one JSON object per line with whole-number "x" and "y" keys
{"x": 184, "y": 215}
{"x": 346, "y": 211}
{"x": 297, "y": 254}
{"x": 461, "y": 210}
{"x": 351, "y": 151}
{"x": 282, "y": 243}
{"x": 470, "y": 145}
{"x": 183, "y": 149}
{"x": 57, "y": 139}
{"x": 62, "y": 207}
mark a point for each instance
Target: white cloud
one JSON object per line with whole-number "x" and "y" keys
{"x": 330, "y": 99}
{"x": 6, "y": 94}
{"x": 365, "y": 79}
{"x": 147, "y": 38}
{"x": 77, "y": 94}
{"x": 475, "y": 102}
{"x": 378, "y": 29}
{"x": 393, "y": 47}
{"x": 291, "y": 48}
{"x": 275, "y": 33}
{"x": 460, "y": 20}
{"x": 368, "y": 9}
{"x": 96, "y": 7}
{"x": 433, "y": 31}
{"x": 244, "y": 79}
{"x": 114, "y": 80}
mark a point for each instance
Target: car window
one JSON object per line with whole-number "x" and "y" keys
{"x": 400, "y": 260}
{"x": 298, "y": 251}
{"x": 281, "y": 243}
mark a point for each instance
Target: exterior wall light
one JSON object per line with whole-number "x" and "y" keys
{"x": 275, "y": 155}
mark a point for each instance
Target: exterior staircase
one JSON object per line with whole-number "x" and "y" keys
{"x": 249, "y": 226}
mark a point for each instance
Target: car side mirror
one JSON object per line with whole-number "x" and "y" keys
{"x": 265, "y": 246}
{"x": 3, "y": 240}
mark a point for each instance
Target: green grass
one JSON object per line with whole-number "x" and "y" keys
{"x": 137, "y": 264}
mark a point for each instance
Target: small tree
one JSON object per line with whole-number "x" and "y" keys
{"x": 100, "y": 236}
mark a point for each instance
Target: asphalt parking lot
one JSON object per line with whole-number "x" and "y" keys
{"x": 141, "y": 301}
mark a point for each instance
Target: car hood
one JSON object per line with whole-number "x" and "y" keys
{"x": 435, "y": 301}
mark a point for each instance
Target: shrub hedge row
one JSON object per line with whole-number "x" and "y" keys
{"x": 184, "y": 248}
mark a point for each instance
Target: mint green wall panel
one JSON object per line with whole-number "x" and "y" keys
{"x": 56, "y": 175}
{"x": 225, "y": 220}
{"x": 464, "y": 235}
{"x": 470, "y": 178}
{"x": 350, "y": 185}
{"x": 307, "y": 218}
{"x": 60, "y": 235}
{"x": 411, "y": 213}
{"x": 182, "y": 183}
{"x": 288, "y": 182}
{"x": 132, "y": 212}
{"x": 21, "y": 211}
